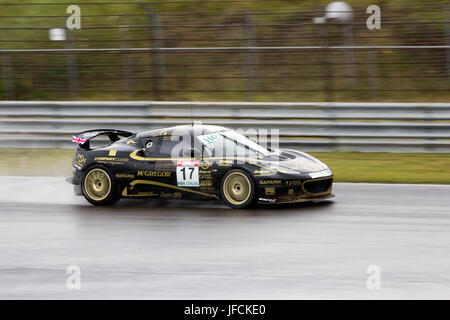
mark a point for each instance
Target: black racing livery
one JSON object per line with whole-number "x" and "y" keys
{"x": 196, "y": 162}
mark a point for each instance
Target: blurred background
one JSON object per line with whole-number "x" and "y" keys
{"x": 205, "y": 50}
{"x": 374, "y": 105}
{"x": 310, "y": 69}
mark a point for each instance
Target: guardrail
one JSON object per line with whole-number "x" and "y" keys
{"x": 391, "y": 127}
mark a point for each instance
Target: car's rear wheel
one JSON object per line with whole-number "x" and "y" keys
{"x": 237, "y": 189}
{"x": 99, "y": 187}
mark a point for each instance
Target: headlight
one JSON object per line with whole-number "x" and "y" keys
{"x": 310, "y": 157}
{"x": 277, "y": 168}
{"x": 321, "y": 174}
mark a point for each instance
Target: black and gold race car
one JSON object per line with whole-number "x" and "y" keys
{"x": 195, "y": 162}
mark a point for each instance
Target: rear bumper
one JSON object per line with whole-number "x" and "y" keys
{"x": 76, "y": 185}
{"x": 73, "y": 180}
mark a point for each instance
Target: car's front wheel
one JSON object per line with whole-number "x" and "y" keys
{"x": 99, "y": 187}
{"x": 237, "y": 189}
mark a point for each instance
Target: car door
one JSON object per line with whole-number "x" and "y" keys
{"x": 150, "y": 175}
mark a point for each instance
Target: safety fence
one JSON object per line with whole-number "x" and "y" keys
{"x": 389, "y": 127}
{"x": 245, "y": 50}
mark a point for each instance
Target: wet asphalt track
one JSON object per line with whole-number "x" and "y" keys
{"x": 185, "y": 250}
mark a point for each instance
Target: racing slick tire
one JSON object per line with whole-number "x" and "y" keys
{"x": 99, "y": 186}
{"x": 237, "y": 189}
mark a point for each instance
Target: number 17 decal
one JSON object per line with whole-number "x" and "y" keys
{"x": 187, "y": 174}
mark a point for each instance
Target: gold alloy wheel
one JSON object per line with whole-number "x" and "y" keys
{"x": 97, "y": 184}
{"x": 237, "y": 188}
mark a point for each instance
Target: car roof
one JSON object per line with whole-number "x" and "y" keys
{"x": 195, "y": 129}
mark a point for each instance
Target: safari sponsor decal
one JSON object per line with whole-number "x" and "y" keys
{"x": 124, "y": 176}
{"x": 270, "y": 182}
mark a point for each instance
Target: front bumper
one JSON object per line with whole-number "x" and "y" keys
{"x": 307, "y": 187}
{"x": 296, "y": 199}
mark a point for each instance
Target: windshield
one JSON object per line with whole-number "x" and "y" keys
{"x": 231, "y": 144}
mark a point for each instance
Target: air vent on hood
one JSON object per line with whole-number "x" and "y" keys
{"x": 287, "y": 155}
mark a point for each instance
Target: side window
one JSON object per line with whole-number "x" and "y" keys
{"x": 168, "y": 144}
{"x": 151, "y": 144}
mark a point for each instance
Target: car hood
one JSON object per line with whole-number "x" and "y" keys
{"x": 292, "y": 161}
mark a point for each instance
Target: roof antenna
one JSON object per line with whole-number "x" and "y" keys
{"x": 192, "y": 116}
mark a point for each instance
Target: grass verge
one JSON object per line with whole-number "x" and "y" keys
{"x": 388, "y": 167}
{"x": 347, "y": 166}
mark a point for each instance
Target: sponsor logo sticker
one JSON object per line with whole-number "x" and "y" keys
{"x": 187, "y": 173}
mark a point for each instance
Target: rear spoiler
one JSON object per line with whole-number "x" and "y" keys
{"x": 113, "y": 135}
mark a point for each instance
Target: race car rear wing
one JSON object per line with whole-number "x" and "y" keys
{"x": 82, "y": 139}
